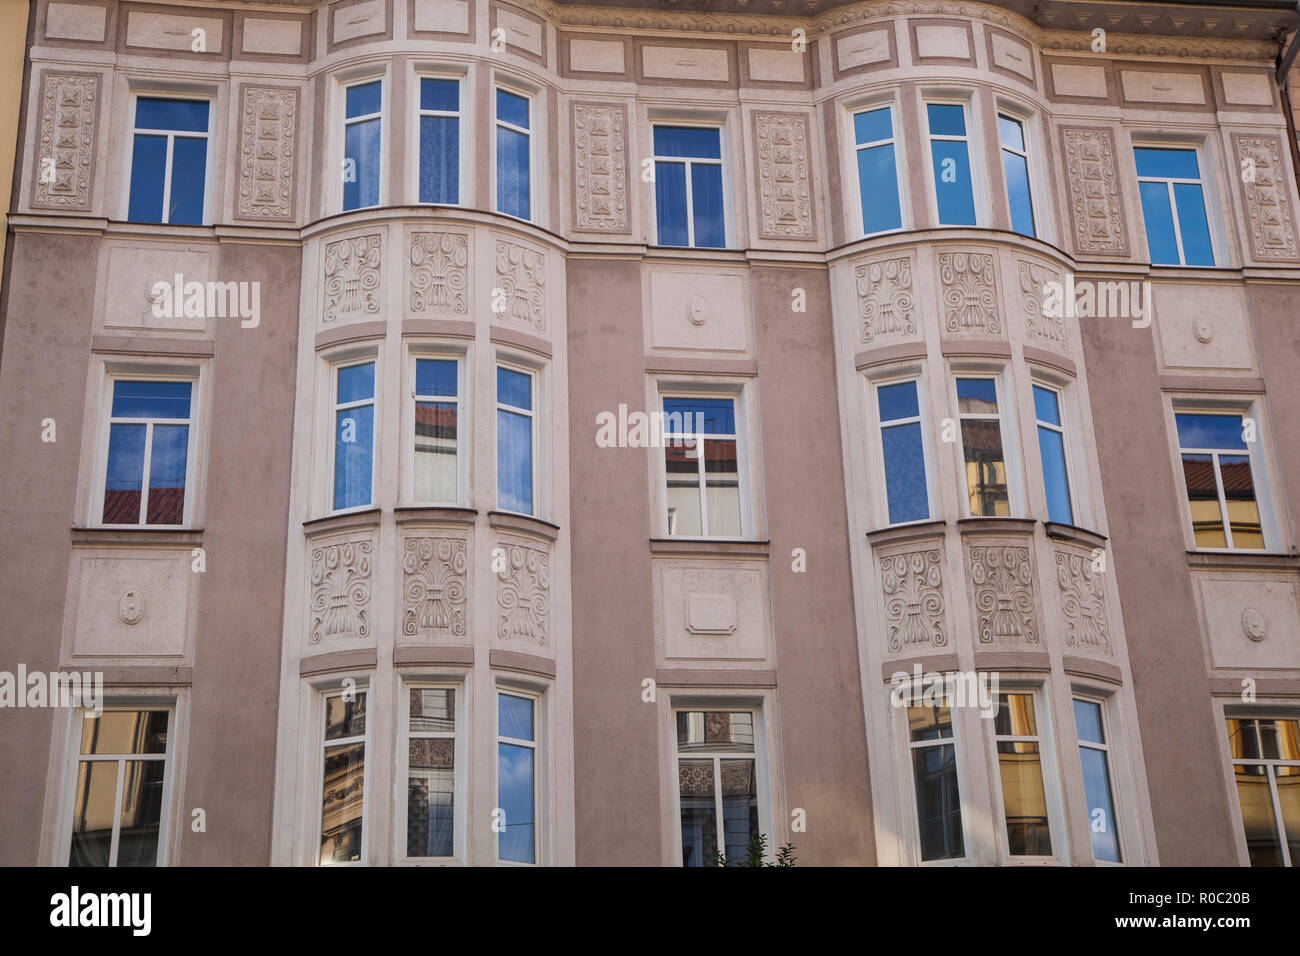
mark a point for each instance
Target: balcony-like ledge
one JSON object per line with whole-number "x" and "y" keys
{"x": 344, "y": 334}
{"x": 889, "y": 354}
{"x": 1249, "y": 561}
{"x": 907, "y": 532}
{"x": 1034, "y": 661}
{"x": 330, "y": 524}
{"x": 708, "y": 546}
{"x": 154, "y": 537}
{"x": 1074, "y": 534}
{"x": 521, "y": 662}
{"x": 413, "y": 514}
{"x": 996, "y": 525}
{"x": 360, "y": 659}
{"x": 509, "y": 521}
{"x": 1096, "y": 670}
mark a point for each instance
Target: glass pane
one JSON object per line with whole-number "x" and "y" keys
{"x": 436, "y": 473}
{"x": 1015, "y": 716}
{"x": 711, "y": 731}
{"x": 1016, "y": 170}
{"x": 167, "y": 474}
{"x": 353, "y": 456}
{"x": 946, "y": 119}
{"x": 1051, "y": 449}
{"x": 514, "y": 717}
{"x": 689, "y": 141}
{"x": 92, "y": 813}
{"x": 514, "y": 462}
{"x": 1192, "y": 225}
{"x": 1159, "y": 221}
{"x": 878, "y": 182}
{"x": 1243, "y": 738}
{"x": 433, "y": 709}
{"x": 439, "y": 94}
{"x": 1011, "y": 133}
{"x": 1239, "y": 494}
{"x": 670, "y": 204}
{"x": 1203, "y": 499}
{"x": 1166, "y": 163}
{"x": 148, "y": 176}
{"x": 125, "y": 732}
{"x": 435, "y": 377}
{"x": 1219, "y": 432}
{"x": 977, "y": 396}
{"x": 1257, "y": 816}
{"x": 345, "y": 718}
{"x": 189, "y": 116}
{"x": 1087, "y": 721}
{"x": 361, "y": 174}
{"x": 515, "y": 798}
{"x": 356, "y": 383}
{"x": 1101, "y": 811}
{"x": 706, "y": 194}
{"x": 683, "y": 415}
{"x": 938, "y": 803}
{"x": 1288, "y": 797}
{"x": 189, "y": 174}
{"x": 514, "y": 388}
{"x": 1288, "y": 733}
{"x": 873, "y": 126}
{"x": 682, "y": 468}
{"x": 898, "y": 401}
{"x": 439, "y": 159}
{"x": 986, "y": 470}
{"x": 1028, "y": 832}
{"x": 1045, "y": 406}
{"x": 952, "y": 184}
{"x": 513, "y": 109}
{"x": 722, "y": 488}
{"x": 929, "y": 723}
{"x": 739, "y": 807}
{"x": 905, "y": 483}
{"x": 430, "y": 796}
{"x": 124, "y": 474}
{"x": 133, "y": 399}
{"x": 696, "y": 793}
{"x": 342, "y": 803}
{"x": 364, "y": 99}
{"x": 142, "y": 799}
{"x": 513, "y": 195}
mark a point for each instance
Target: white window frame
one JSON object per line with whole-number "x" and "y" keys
{"x": 1027, "y": 154}
{"x": 535, "y": 205}
{"x": 534, "y": 416}
{"x": 344, "y": 121}
{"x": 1047, "y": 767}
{"x": 420, "y": 73}
{"x": 1207, "y": 182}
{"x": 322, "y": 698}
{"x": 1271, "y": 764}
{"x": 541, "y": 811}
{"x": 76, "y": 758}
{"x": 908, "y": 782}
{"x": 688, "y": 162}
{"x": 433, "y": 352}
{"x": 1006, "y": 429}
{"x": 971, "y": 139}
{"x": 459, "y": 756}
{"x": 851, "y": 136}
{"x": 335, "y": 406}
{"x": 189, "y": 95}
{"x": 163, "y": 374}
{"x": 1066, "y": 445}
{"x": 874, "y": 383}
{"x": 739, "y": 400}
{"x": 1109, "y": 748}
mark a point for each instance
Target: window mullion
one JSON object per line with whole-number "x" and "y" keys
{"x": 690, "y": 206}
{"x": 145, "y": 467}
{"x": 1223, "y": 500}
{"x": 1279, "y": 826}
{"x": 717, "y": 805}
{"x": 117, "y": 812}
{"x": 1173, "y": 215}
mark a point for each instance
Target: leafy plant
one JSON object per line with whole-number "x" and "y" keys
{"x": 757, "y": 850}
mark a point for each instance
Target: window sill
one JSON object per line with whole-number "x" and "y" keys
{"x": 411, "y": 514}
{"x": 368, "y": 518}
{"x": 895, "y": 533}
{"x": 524, "y": 524}
{"x": 1075, "y": 534}
{"x": 174, "y": 537}
{"x": 1243, "y": 560}
{"x": 711, "y": 546}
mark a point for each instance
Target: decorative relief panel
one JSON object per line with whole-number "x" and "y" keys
{"x": 523, "y": 593}
{"x": 1095, "y": 208}
{"x": 340, "y": 590}
{"x": 970, "y": 292}
{"x": 1268, "y": 202}
{"x": 130, "y": 604}
{"x": 1039, "y": 328}
{"x": 440, "y": 272}
{"x": 711, "y": 611}
{"x": 600, "y": 167}
{"x": 1083, "y": 601}
{"x": 1002, "y": 576}
{"x": 521, "y": 279}
{"x": 885, "y": 299}
{"x": 269, "y": 119}
{"x": 352, "y": 273}
{"x": 913, "y": 589}
{"x": 69, "y": 107}
{"x": 784, "y": 182}
{"x": 434, "y": 586}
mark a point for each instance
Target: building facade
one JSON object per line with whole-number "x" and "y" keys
{"x": 417, "y": 408}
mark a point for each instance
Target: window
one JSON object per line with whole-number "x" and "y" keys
{"x": 1089, "y": 724}
{"x": 515, "y": 449}
{"x": 354, "y": 435}
{"x": 439, "y": 140}
{"x": 703, "y": 489}
{"x": 169, "y": 161}
{"x": 1220, "y": 484}
{"x": 1015, "y": 169}
{"x": 514, "y": 142}
{"x": 938, "y": 797}
{"x": 1266, "y": 762}
{"x": 717, "y": 784}
{"x": 1020, "y": 767}
{"x": 1051, "y": 449}
{"x": 517, "y": 778}
{"x": 981, "y": 442}
{"x": 873, "y": 132}
{"x": 361, "y": 153}
{"x": 688, "y": 186}
{"x": 900, "y": 440}
{"x": 431, "y": 772}
{"x": 148, "y": 434}
{"x": 1173, "y": 206}
{"x": 437, "y": 433}
{"x": 343, "y": 780}
{"x": 950, "y": 160}
{"x": 121, "y": 791}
